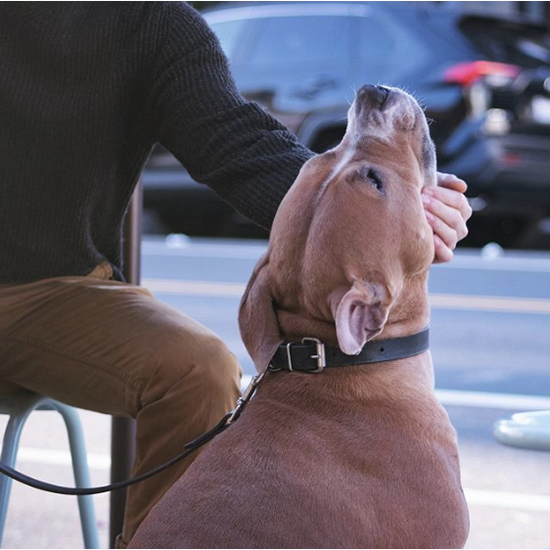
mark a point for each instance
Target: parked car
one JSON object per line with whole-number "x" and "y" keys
{"x": 485, "y": 83}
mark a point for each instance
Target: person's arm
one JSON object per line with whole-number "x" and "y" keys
{"x": 224, "y": 141}
{"x": 447, "y": 211}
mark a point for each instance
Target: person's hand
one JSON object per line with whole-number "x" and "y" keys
{"x": 447, "y": 211}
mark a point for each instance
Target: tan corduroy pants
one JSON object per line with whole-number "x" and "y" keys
{"x": 111, "y": 347}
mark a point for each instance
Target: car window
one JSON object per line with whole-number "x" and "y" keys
{"x": 296, "y": 40}
{"x": 229, "y": 33}
{"x": 376, "y": 41}
{"x": 525, "y": 47}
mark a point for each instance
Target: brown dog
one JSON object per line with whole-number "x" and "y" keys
{"x": 356, "y": 456}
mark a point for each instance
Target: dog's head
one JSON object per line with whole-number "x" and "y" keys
{"x": 350, "y": 234}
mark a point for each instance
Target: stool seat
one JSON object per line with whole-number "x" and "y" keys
{"x": 18, "y": 406}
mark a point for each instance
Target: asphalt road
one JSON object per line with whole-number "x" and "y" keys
{"x": 489, "y": 333}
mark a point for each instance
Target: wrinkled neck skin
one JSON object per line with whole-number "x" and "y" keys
{"x": 409, "y": 315}
{"x": 404, "y": 379}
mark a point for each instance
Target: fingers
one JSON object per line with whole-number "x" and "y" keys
{"x": 447, "y": 211}
{"x": 442, "y": 253}
{"x": 447, "y": 224}
{"x": 450, "y": 205}
{"x": 450, "y": 181}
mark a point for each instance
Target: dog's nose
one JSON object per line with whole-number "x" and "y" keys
{"x": 376, "y": 95}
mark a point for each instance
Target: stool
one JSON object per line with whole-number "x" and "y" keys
{"x": 19, "y": 406}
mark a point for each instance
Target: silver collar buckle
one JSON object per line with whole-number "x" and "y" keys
{"x": 320, "y": 356}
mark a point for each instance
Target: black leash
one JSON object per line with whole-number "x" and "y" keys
{"x": 191, "y": 447}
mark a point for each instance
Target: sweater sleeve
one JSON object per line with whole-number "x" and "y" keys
{"x": 224, "y": 141}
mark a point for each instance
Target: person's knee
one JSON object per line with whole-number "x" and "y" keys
{"x": 216, "y": 369}
{"x": 199, "y": 367}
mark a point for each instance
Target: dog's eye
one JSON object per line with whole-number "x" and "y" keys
{"x": 374, "y": 178}
{"x": 366, "y": 174}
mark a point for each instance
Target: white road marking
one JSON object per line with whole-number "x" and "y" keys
{"x": 489, "y": 400}
{"x": 504, "y": 499}
{"x": 53, "y": 457}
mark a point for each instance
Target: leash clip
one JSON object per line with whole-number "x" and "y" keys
{"x": 245, "y": 398}
{"x": 320, "y": 356}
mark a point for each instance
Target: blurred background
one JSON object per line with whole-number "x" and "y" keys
{"x": 482, "y": 71}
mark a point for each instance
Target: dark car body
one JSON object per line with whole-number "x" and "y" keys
{"x": 485, "y": 83}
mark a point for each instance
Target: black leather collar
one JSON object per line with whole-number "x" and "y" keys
{"x": 311, "y": 355}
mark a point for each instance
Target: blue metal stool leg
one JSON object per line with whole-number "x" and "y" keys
{"x": 12, "y": 436}
{"x": 19, "y": 407}
{"x": 81, "y": 473}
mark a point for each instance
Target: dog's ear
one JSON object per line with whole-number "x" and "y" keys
{"x": 360, "y": 314}
{"x": 257, "y": 318}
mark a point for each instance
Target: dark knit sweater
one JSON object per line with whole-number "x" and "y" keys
{"x": 86, "y": 89}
